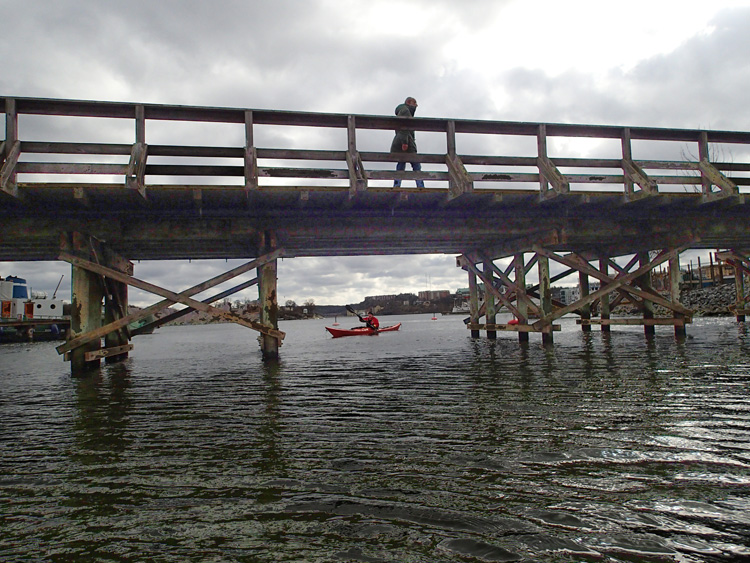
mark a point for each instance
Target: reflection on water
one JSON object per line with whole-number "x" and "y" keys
{"x": 418, "y": 446}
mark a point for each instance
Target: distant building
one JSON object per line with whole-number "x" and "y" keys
{"x": 565, "y": 295}
{"x": 380, "y": 298}
{"x": 464, "y": 291}
{"x": 434, "y": 295}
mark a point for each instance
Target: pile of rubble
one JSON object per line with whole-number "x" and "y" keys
{"x": 710, "y": 301}
{"x": 706, "y": 302}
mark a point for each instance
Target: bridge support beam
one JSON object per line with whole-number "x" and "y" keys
{"x": 490, "y": 311}
{"x": 269, "y": 309}
{"x": 270, "y": 342}
{"x": 86, "y": 315}
{"x": 116, "y": 307}
{"x": 91, "y": 337}
{"x": 644, "y": 282}
{"x": 583, "y": 291}
{"x": 499, "y": 285}
{"x": 545, "y": 294}
{"x": 523, "y": 309}
{"x": 632, "y": 287}
{"x": 674, "y": 292}
{"x": 604, "y": 308}
{"x": 89, "y": 290}
{"x": 473, "y": 304}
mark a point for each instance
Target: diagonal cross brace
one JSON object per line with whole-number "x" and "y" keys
{"x": 171, "y": 298}
{"x": 715, "y": 177}
{"x": 644, "y": 294}
{"x": 466, "y": 262}
{"x": 460, "y": 179}
{"x": 583, "y": 266}
{"x": 635, "y": 174}
{"x": 550, "y": 172}
{"x": 520, "y": 296}
{"x": 612, "y": 284}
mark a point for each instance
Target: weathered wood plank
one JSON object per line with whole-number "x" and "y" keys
{"x": 657, "y": 321}
{"x": 107, "y": 352}
{"x": 72, "y": 168}
{"x": 513, "y": 328}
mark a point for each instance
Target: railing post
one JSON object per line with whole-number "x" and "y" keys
{"x": 357, "y": 176}
{"x": 703, "y": 155}
{"x": 541, "y": 149}
{"x": 459, "y": 179}
{"x": 137, "y": 167}
{"x": 627, "y": 155}
{"x": 140, "y": 124}
{"x": 548, "y": 172}
{"x": 251, "y": 156}
{"x": 11, "y": 150}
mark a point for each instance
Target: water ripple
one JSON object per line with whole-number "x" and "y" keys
{"x": 418, "y": 446}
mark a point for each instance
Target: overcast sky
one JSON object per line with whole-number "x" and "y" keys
{"x": 664, "y": 63}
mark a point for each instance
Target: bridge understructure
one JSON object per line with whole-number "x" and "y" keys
{"x": 79, "y": 182}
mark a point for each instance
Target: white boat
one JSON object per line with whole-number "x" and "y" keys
{"x": 19, "y": 303}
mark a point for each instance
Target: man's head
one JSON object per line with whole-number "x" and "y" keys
{"x": 410, "y": 102}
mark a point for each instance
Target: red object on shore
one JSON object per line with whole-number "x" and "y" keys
{"x": 360, "y": 330}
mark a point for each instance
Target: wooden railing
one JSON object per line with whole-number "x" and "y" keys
{"x": 713, "y": 164}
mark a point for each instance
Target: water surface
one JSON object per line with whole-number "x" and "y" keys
{"x": 417, "y": 446}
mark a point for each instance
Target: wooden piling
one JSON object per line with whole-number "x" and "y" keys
{"x": 674, "y": 292}
{"x": 644, "y": 282}
{"x": 739, "y": 285}
{"x": 523, "y": 309}
{"x": 86, "y": 315}
{"x": 604, "y": 308}
{"x": 490, "y": 309}
{"x": 583, "y": 285}
{"x": 473, "y": 303}
{"x": 545, "y": 294}
{"x": 116, "y": 307}
{"x": 269, "y": 309}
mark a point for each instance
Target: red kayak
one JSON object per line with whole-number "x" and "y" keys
{"x": 336, "y": 332}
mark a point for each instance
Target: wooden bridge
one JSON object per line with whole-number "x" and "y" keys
{"x": 82, "y": 181}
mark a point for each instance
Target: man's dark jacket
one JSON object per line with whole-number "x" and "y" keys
{"x": 403, "y": 136}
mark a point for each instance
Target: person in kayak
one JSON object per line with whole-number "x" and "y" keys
{"x": 404, "y": 141}
{"x": 370, "y": 320}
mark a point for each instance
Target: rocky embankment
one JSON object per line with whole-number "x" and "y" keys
{"x": 706, "y": 302}
{"x": 710, "y": 301}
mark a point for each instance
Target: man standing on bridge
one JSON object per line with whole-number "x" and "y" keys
{"x": 404, "y": 141}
